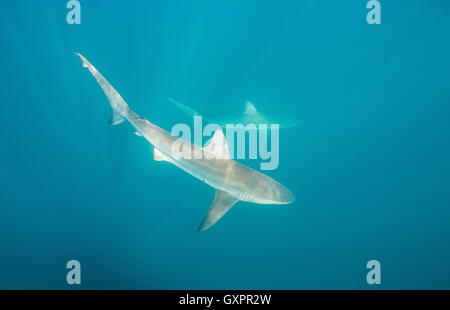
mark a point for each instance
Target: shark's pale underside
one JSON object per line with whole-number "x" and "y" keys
{"x": 248, "y": 117}
{"x": 231, "y": 180}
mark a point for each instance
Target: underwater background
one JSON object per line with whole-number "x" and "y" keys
{"x": 369, "y": 163}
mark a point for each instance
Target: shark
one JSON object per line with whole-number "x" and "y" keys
{"x": 231, "y": 180}
{"x": 250, "y": 116}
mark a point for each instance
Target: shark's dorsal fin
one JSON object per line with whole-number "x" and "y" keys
{"x": 218, "y": 145}
{"x": 250, "y": 108}
{"x": 222, "y": 204}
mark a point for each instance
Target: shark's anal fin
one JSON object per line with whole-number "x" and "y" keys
{"x": 158, "y": 156}
{"x": 116, "y": 118}
{"x": 222, "y": 204}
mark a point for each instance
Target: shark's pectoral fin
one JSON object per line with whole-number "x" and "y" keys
{"x": 222, "y": 204}
{"x": 116, "y": 118}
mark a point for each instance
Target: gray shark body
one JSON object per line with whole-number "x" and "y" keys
{"x": 231, "y": 180}
{"x": 248, "y": 117}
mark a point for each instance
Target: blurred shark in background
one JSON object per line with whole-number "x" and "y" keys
{"x": 249, "y": 116}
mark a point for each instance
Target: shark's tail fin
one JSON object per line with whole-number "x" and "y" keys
{"x": 85, "y": 62}
{"x": 187, "y": 110}
{"x": 116, "y": 118}
{"x": 119, "y": 106}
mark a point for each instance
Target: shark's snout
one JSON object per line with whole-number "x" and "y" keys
{"x": 287, "y": 197}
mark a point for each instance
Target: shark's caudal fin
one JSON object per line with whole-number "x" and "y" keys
{"x": 187, "y": 110}
{"x": 250, "y": 108}
{"x": 85, "y": 62}
{"x": 116, "y": 119}
{"x": 117, "y": 103}
{"x": 222, "y": 204}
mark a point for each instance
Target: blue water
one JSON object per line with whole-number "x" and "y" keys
{"x": 369, "y": 163}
